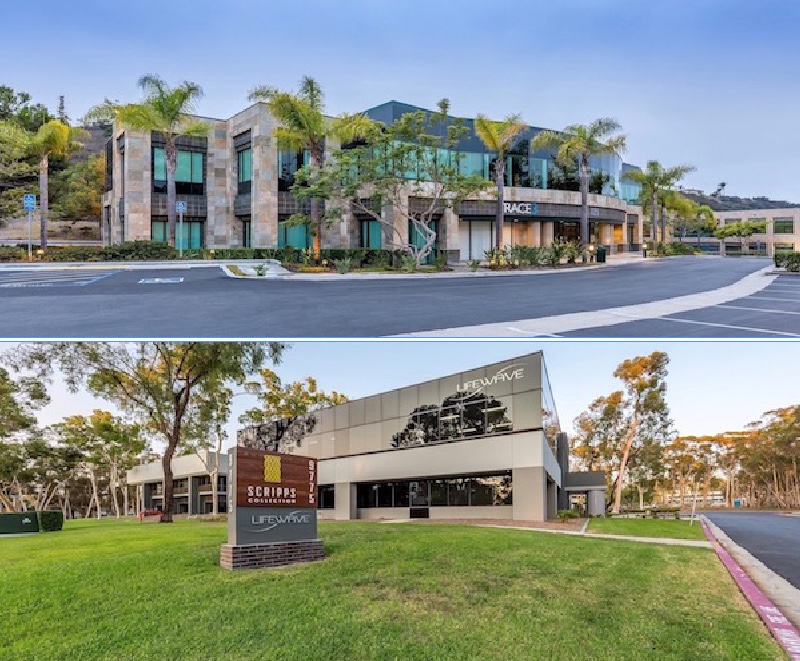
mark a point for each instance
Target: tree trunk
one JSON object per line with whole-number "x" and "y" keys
{"x": 5, "y": 501}
{"x": 316, "y": 158}
{"x": 584, "y": 176}
{"x": 171, "y": 158}
{"x": 166, "y": 463}
{"x": 641, "y": 496}
{"x": 95, "y": 495}
{"x": 499, "y": 216}
{"x": 653, "y": 218}
{"x": 214, "y": 480}
{"x": 623, "y": 464}
{"x": 663, "y": 224}
{"x": 125, "y": 503}
{"x": 44, "y": 199}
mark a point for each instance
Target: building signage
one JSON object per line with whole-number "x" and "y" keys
{"x": 508, "y": 373}
{"x": 273, "y": 497}
{"x": 520, "y": 208}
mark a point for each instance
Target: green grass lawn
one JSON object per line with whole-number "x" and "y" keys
{"x": 128, "y": 591}
{"x": 671, "y": 528}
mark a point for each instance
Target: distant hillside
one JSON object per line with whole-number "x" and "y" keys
{"x": 733, "y": 203}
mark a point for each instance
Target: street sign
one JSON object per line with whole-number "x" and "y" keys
{"x": 180, "y": 207}
{"x": 29, "y": 202}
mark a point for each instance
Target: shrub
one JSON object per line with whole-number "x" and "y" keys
{"x": 130, "y": 250}
{"x": 440, "y": 261}
{"x": 678, "y": 248}
{"x": 498, "y": 258}
{"x": 342, "y": 265}
{"x": 792, "y": 264}
{"x": 260, "y": 270}
{"x": 474, "y": 265}
{"x": 12, "y": 253}
{"x": 409, "y": 263}
{"x": 567, "y": 514}
{"x": 50, "y": 521}
{"x": 74, "y": 254}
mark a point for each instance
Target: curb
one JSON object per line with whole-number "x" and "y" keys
{"x": 780, "y": 627}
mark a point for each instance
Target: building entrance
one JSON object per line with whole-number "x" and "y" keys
{"x": 420, "y": 499}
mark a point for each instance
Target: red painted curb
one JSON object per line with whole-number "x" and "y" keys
{"x": 780, "y": 627}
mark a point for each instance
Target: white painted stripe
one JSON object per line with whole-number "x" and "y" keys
{"x": 772, "y": 298}
{"x": 744, "y": 328}
{"x": 565, "y": 323}
{"x": 744, "y": 307}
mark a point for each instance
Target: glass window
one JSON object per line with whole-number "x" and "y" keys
{"x": 365, "y": 496}
{"x": 458, "y": 492}
{"x": 188, "y": 172}
{"x": 159, "y": 170}
{"x": 158, "y": 231}
{"x": 730, "y": 221}
{"x": 371, "y": 232}
{"x": 384, "y": 494}
{"x": 246, "y": 232}
{"x": 297, "y": 236}
{"x": 183, "y": 167}
{"x": 191, "y": 238}
{"x": 419, "y": 493}
{"x": 438, "y": 493}
{"x": 783, "y": 226}
{"x": 244, "y": 170}
{"x": 481, "y": 491}
{"x": 784, "y": 247}
{"x": 401, "y": 494}
{"x": 325, "y": 497}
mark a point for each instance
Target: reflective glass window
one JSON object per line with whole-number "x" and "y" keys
{"x": 783, "y": 226}
{"x": 458, "y": 492}
{"x": 401, "y": 490}
{"x": 481, "y": 491}
{"x": 438, "y": 493}
{"x": 383, "y": 494}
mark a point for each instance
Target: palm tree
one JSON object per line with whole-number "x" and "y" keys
{"x": 304, "y": 126}
{"x": 166, "y": 110}
{"x": 54, "y": 138}
{"x": 655, "y": 179}
{"x": 582, "y": 142}
{"x": 499, "y": 137}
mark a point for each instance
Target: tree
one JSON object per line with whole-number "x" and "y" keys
{"x": 742, "y": 230}
{"x": 19, "y": 400}
{"x": 61, "y": 113}
{"x": 159, "y": 384}
{"x": 579, "y": 142}
{"x": 165, "y": 110}
{"x": 15, "y": 168}
{"x": 654, "y": 180}
{"x": 53, "y": 139}
{"x": 286, "y": 408}
{"x": 499, "y": 137}
{"x": 688, "y": 215}
{"x": 108, "y": 444}
{"x": 78, "y": 190}
{"x": 304, "y": 126}
{"x": 16, "y": 107}
{"x": 411, "y": 167}
{"x": 617, "y": 428}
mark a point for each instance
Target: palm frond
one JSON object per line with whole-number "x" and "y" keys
{"x": 262, "y": 93}
{"x": 546, "y": 140}
{"x": 604, "y": 126}
{"x": 290, "y": 139}
{"x": 194, "y": 128}
{"x": 348, "y": 128}
{"x": 311, "y": 93}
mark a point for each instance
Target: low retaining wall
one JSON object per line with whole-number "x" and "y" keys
{"x": 276, "y": 554}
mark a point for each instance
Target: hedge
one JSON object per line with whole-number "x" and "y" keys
{"x": 51, "y": 521}
{"x": 788, "y": 260}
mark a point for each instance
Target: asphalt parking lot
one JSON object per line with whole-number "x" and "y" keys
{"x": 772, "y": 312}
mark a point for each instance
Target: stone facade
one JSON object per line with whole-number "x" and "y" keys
{"x": 277, "y": 554}
{"x": 131, "y": 203}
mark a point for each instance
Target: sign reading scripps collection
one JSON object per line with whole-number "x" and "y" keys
{"x": 272, "y": 507}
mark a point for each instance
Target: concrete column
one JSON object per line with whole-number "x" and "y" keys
{"x": 606, "y": 234}
{"x": 530, "y": 493}
{"x": 596, "y": 502}
{"x": 451, "y": 227}
{"x": 344, "y": 501}
{"x": 548, "y": 233}
{"x": 552, "y": 499}
{"x": 536, "y": 233}
{"x": 190, "y": 496}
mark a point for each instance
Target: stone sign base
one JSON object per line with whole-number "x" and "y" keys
{"x": 275, "y": 554}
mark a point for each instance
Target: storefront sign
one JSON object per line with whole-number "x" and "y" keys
{"x": 508, "y": 373}
{"x": 520, "y": 208}
{"x": 273, "y": 497}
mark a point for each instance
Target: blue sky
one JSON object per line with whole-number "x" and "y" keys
{"x": 713, "y": 83}
{"x": 712, "y": 386}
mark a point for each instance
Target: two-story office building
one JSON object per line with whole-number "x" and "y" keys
{"x": 481, "y": 444}
{"x": 236, "y": 185}
{"x": 782, "y": 235}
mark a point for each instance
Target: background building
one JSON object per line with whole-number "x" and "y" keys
{"x": 236, "y": 184}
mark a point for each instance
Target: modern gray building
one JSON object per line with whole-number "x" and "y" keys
{"x": 480, "y": 444}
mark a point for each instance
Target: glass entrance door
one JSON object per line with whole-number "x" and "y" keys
{"x": 420, "y": 499}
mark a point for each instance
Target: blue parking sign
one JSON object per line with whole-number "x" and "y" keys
{"x": 180, "y": 207}
{"x": 29, "y": 202}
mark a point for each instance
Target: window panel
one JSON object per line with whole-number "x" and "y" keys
{"x": 197, "y": 168}
{"x": 159, "y": 164}
{"x": 438, "y": 493}
{"x": 183, "y": 167}
{"x": 783, "y": 226}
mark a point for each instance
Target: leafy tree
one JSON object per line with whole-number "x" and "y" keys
{"x": 15, "y": 168}
{"x": 52, "y": 139}
{"x": 16, "y": 107}
{"x": 579, "y": 142}
{"x": 19, "y": 400}
{"x": 303, "y": 125}
{"x": 78, "y": 190}
{"x": 499, "y": 137}
{"x": 108, "y": 444}
{"x": 48, "y": 467}
{"x": 165, "y": 110}
{"x": 618, "y": 428}
{"x": 742, "y": 230}
{"x": 159, "y": 384}
{"x": 654, "y": 180}
{"x": 413, "y": 160}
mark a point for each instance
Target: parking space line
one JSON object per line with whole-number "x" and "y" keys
{"x": 715, "y": 325}
{"x": 744, "y": 307}
{"x": 772, "y": 298}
